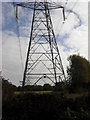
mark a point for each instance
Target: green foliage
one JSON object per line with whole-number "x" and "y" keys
{"x": 50, "y": 106}
{"x": 61, "y": 87}
{"x": 69, "y": 113}
{"x": 50, "y": 102}
{"x": 33, "y": 88}
{"x": 47, "y": 87}
{"x": 78, "y": 71}
{"x": 43, "y": 104}
{"x": 7, "y": 89}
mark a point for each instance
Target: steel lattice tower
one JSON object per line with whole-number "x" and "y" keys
{"x": 43, "y": 62}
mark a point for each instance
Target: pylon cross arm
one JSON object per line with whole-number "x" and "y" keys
{"x": 31, "y": 5}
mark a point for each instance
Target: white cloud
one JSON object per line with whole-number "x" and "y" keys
{"x": 77, "y": 38}
{"x": 12, "y": 66}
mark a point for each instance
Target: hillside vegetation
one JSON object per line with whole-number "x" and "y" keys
{"x": 64, "y": 101}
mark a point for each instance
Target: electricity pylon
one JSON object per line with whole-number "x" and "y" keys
{"x": 43, "y": 62}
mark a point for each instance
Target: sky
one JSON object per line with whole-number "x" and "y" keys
{"x": 71, "y": 36}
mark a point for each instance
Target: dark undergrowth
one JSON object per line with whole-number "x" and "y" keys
{"x": 50, "y": 106}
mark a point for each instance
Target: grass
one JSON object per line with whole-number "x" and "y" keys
{"x": 76, "y": 95}
{"x": 66, "y": 95}
{"x": 34, "y": 92}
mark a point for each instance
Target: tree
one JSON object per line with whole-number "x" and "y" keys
{"x": 7, "y": 89}
{"x": 47, "y": 87}
{"x": 78, "y": 71}
{"x": 61, "y": 87}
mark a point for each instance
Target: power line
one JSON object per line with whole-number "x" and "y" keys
{"x": 72, "y": 8}
{"x": 60, "y": 18}
{"x": 18, "y": 35}
{"x": 67, "y": 17}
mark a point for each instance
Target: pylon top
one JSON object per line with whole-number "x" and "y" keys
{"x": 30, "y": 5}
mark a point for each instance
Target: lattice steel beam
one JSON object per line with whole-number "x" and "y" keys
{"x": 43, "y": 60}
